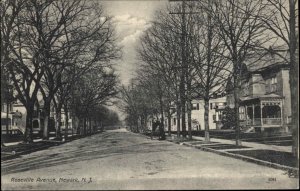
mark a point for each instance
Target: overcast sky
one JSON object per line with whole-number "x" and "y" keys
{"x": 131, "y": 18}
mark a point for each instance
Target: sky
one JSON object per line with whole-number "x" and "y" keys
{"x": 131, "y": 18}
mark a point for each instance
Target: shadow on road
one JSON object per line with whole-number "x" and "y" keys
{"x": 95, "y": 147}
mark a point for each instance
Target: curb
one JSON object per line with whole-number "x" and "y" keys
{"x": 18, "y": 154}
{"x": 244, "y": 158}
{"x": 12, "y": 156}
{"x": 55, "y": 143}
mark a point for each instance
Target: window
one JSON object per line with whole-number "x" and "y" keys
{"x": 274, "y": 84}
{"x": 274, "y": 88}
{"x": 267, "y": 86}
{"x": 242, "y": 113}
{"x": 174, "y": 121}
{"x": 214, "y": 118}
{"x": 194, "y": 106}
{"x": 211, "y": 105}
{"x": 10, "y": 107}
{"x": 274, "y": 80}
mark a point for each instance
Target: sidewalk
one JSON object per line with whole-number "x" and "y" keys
{"x": 252, "y": 145}
{"x": 279, "y": 157}
{"x": 16, "y": 149}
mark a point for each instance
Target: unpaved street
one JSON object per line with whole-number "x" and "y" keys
{"x": 119, "y": 159}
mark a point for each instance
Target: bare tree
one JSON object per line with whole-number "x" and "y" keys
{"x": 240, "y": 29}
{"x": 129, "y": 105}
{"x": 44, "y": 38}
{"x": 94, "y": 88}
{"x": 17, "y": 57}
{"x": 281, "y": 20}
{"x": 211, "y": 67}
{"x": 74, "y": 32}
{"x": 160, "y": 50}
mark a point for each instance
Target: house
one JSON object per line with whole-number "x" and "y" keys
{"x": 11, "y": 117}
{"x": 265, "y": 100}
{"x": 215, "y": 111}
{"x": 17, "y": 118}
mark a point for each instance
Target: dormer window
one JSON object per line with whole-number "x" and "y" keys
{"x": 274, "y": 80}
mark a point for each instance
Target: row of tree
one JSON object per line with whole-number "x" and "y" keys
{"x": 59, "y": 50}
{"x": 194, "y": 49}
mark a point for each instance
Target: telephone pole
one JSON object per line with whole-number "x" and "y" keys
{"x": 184, "y": 67}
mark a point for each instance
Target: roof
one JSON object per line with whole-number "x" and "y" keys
{"x": 267, "y": 60}
{"x": 261, "y": 97}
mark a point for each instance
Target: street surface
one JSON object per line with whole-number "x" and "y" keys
{"x": 118, "y": 159}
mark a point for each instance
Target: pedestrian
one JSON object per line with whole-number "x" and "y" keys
{"x": 161, "y": 131}
{"x": 154, "y": 124}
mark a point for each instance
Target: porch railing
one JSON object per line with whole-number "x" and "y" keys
{"x": 272, "y": 121}
{"x": 257, "y": 121}
{"x": 266, "y": 121}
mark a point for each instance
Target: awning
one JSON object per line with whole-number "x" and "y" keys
{"x": 251, "y": 99}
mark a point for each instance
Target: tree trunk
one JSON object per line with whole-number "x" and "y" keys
{"x": 137, "y": 125}
{"x": 28, "y": 128}
{"x": 189, "y": 113}
{"x": 73, "y": 125}
{"x": 178, "y": 113}
{"x": 169, "y": 123}
{"x": 79, "y": 129}
{"x": 162, "y": 112}
{"x": 84, "y": 126}
{"x": 294, "y": 86}
{"x": 90, "y": 126}
{"x": 58, "y": 122}
{"x": 206, "y": 120}
{"x": 236, "y": 107}
{"x": 66, "y": 122}
{"x": 145, "y": 122}
{"x": 46, "y": 120}
{"x": 7, "y": 112}
{"x": 183, "y": 112}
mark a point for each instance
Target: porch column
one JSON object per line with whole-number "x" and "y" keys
{"x": 261, "y": 118}
{"x": 246, "y": 114}
{"x": 281, "y": 113}
{"x": 253, "y": 121}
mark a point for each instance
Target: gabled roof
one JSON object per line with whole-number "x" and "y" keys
{"x": 267, "y": 60}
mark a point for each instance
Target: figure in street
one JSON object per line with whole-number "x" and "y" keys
{"x": 154, "y": 125}
{"x": 162, "y": 135}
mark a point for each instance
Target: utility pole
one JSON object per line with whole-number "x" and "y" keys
{"x": 184, "y": 67}
{"x": 183, "y": 72}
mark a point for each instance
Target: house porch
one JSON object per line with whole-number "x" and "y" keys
{"x": 262, "y": 112}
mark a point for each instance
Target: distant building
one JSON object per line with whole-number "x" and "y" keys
{"x": 215, "y": 111}
{"x": 7, "y": 116}
{"x": 17, "y": 118}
